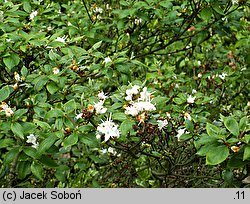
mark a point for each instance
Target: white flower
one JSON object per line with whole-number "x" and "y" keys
{"x": 130, "y": 92}
{"x": 181, "y": 132}
{"x": 32, "y": 139}
{"x": 78, "y": 116}
{"x": 98, "y": 10}
{"x": 17, "y": 76}
{"x": 168, "y": 115}
{"x": 59, "y": 39}
{"x": 108, "y": 7}
{"x": 234, "y": 1}
{"x": 248, "y": 103}
{"x": 200, "y": 75}
{"x": 162, "y": 123}
{"x": 91, "y": 108}
{"x": 138, "y": 21}
{"x": 35, "y": 145}
{"x": 177, "y": 86}
{"x": 145, "y": 105}
{"x": 129, "y": 98}
{"x": 99, "y": 107}
{"x": 33, "y": 15}
{"x": 132, "y": 110}
{"x": 102, "y": 96}
{"x": 142, "y": 104}
{"x": 145, "y": 95}
{"x": 9, "y": 112}
{"x": 103, "y": 151}
{"x": 55, "y": 70}
{"x": 107, "y": 60}
{"x": 112, "y": 151}
{"x": 190, "y": 99}
{"x": 108, "y": 128}
{"x": 3, "y": 106}
{"x": 222, "y": 76}
{"x": 187, "y": 116}
{"x": 194, "y": 91}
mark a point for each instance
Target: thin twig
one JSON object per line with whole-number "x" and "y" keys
{"x": 85, "y": 6}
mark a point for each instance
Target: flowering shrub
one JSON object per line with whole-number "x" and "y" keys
{"x": 148, "y": 93}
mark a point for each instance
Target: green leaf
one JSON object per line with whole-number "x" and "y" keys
{"x": 61, "y": 171}
{"x": 236, "y": 161}
{"x": 206, "y": 14}
{"x": 85, "y": 128}
{"x": 179, "y": 100}
{"x": 52, "y": 87}
{"x": 37, "y": 170}
{"x": 218, "y": 9}
{"x": 216, "y": 155}
{"x": 11, "y": 155}
{"x": 27, "y": 6}
{"x": 47, "y": 143}
{"x": 166, "y": 4}
{"x": 23, "y": 169}
{"x": 48, "y": 161}
{"x": 243, "y": 123}
{"x": 228, "y": 176}
{"x": 246, "y": 154}
{"x": 42, "y": 124}
{"x": 40, "y": 82}
{"x": 6, "y": 143}
{"x": 17, "y": 129}
{"x": 96, "y": 45}
{"x": 70, "y": 140}
{"x": 206, "y": 148}
{"x": 246, "y": 138}
{"x": 185, "y": 137}
{"x": 19, "y": 113}
{"x": 189, "y": 125}
{"x": 126, "y": 126}
{"x": 119, "y": 116}
{"x": 30, "y": 151}
{"x": 11, "y": 61}
{"x": 54, "y": 56}
{"x": 54, "y": 113}
{"x": 70, "y": 106}
{"x": 212, "y": 130}
{"x": 4, "y": 93}
{"x": 90, "y": 140}
{"x": 232, "y": 125}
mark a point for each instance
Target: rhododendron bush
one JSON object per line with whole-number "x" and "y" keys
{"x": 150, "y": 93}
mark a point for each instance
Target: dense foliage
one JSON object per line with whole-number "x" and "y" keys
{"x": 151, "y": 93}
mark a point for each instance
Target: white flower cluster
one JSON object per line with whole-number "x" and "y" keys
{"x": 235, "y": 2}
{"x": 99, "y": 108}
{"x": 107, "y": 60}
{"x": 222, "y": 76}
{"x": 17, "y": 77}
{"x": 61, "y": 39}
{"x": 5, "y": 108}
{"x": 180, "y": 132}
{"x": 107, "y": 128}
{"x": 138, "y": 21}
{"x": 191, "y": 99}
{"x": 97, "y": 10}
{"x": 55, "y": 70}
{"x": 33, "y": 14}
{"x": 32, "y": 139}
{"x": 143, "y": 103}
{"x": 162, "y": 123}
